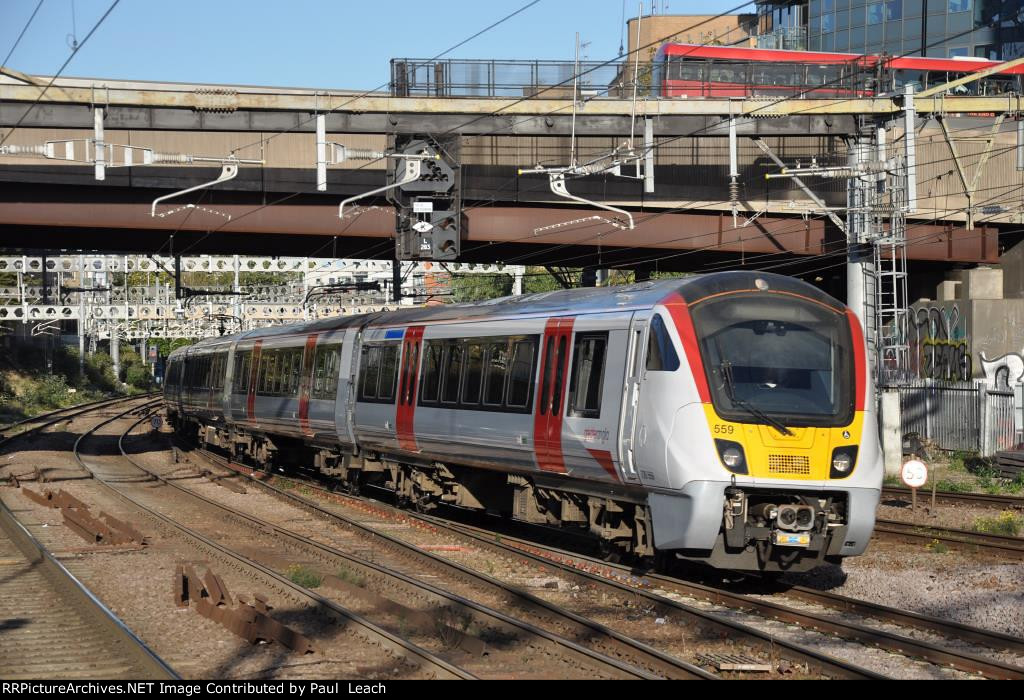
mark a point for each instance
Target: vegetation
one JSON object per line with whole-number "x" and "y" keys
{"x": 304, "y": 576}
{"x": 936, "y": 547}
{"x": 967, "y": 472}
{"x": 35, "y": 379}
{"x": 1006, "y": 523}
{"x": 351, "y": 577}
{"x": 468, "y": 287}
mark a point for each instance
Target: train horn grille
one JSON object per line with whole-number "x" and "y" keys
{"x": 789, "y": 464}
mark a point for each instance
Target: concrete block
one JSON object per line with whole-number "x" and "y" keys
{"x": 982, "y": 283}
{"x": 948, "y": 290}
{"x": 892, "y": 433}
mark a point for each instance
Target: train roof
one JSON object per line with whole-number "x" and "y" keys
{"x": 643, "y": 295}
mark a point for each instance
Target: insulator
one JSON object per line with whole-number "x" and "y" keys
{"x": 14, "y": 150}
{"x": 172, "y": 158}
{"x": 734, "y": 191}
{"x": 361, "y": 154}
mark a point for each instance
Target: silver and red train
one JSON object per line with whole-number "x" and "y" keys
{"x": 726, "y": 417}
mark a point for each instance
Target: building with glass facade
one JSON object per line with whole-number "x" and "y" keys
{"x": 992, "y": 29}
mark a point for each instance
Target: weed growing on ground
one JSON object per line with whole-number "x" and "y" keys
{"x": 351, "y": 577}
{"x": 1006, "y": 523}
{"x": 304, "y": 576}
{"x": 936, "y": 547}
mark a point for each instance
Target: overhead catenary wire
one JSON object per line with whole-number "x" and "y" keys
{"x": 74, "y": 52}
{"x": 297, "y": 193}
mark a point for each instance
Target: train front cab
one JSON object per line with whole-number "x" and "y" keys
{"x": 771, "y": 458}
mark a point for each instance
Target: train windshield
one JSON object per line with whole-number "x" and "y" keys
{"x": 776, "y": 359}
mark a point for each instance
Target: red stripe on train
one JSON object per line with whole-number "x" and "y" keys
{"x": 305, "y": 383}
{"x": 604, "y": 458}
{"x": 405, "y": 413}
{"x": 859, "y": 358}
{"x": 680, "y": 312}
{"x": 554, "y": 375}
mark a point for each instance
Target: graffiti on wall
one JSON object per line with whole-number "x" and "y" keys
{"x": 939, "y": 347}
{"x": 1003, "y": 372}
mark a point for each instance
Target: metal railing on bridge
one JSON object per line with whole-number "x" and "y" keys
{"x": 784, "y": 39}
{"x": 958, "y": 416}
{"x": 411, "y": 77}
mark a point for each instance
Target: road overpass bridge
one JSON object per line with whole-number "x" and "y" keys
{"x": 685, "y": 223}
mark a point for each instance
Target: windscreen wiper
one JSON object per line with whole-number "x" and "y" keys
{"x": 730, "y": 388}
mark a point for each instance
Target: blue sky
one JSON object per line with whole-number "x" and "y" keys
{"x": 303, "y": 43}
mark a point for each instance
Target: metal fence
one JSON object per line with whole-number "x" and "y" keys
{"x": 964, "y": 416}
{"x": 412, "y": 77}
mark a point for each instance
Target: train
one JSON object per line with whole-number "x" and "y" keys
{"x": 725, "y": 418}
{"x": 694, "y": 71}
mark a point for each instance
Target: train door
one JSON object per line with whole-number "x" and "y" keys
{"x": 549, "y": 414}
{"x": 592, "y": 413}
{"x": 660, "y": 396}
{"x": 408, "y": 381}
{"x": 345, "y": 403}
{"x": 306, "y": 382}
{"x": 631, "y": 393}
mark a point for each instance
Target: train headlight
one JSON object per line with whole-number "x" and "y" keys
{"x": 843, "y": 461}
{"x": 732, "y": 456}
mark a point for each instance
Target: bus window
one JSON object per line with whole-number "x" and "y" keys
{"x": 768, "y": 75}
{"x": 687, "y": 69}
{"x": 726, "y": 72}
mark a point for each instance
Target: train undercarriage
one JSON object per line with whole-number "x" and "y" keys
{"x": 761, "y": 530}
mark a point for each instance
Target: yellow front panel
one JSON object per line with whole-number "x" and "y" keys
{"x": 806, "y": 455}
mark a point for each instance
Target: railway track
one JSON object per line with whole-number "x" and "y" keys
{"x": 1002, "y": 545}
{"x": 403, "y": 659}
{"x": 623, "y": 582}
{"x": 52, "y": 626}
{"x": 586, "y": 571}
{"x": 481, "y": 639}
{"x": 972, "y": 499}
{"x": 28, "y": 426}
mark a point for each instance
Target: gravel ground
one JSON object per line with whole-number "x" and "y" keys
{"x": 136, "y": 583}
{"x": 987, "y": 595}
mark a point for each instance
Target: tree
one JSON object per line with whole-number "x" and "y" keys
{"x": 468, "y": 288}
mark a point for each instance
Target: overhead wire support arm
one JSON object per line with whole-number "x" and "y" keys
{"x": 840, "y": 224}
{"x": 229, "y": 171}
{"x": 411, "y": 173}
{"x": 557, "y": 178}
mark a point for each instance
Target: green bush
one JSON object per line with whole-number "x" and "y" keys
{"x": 50, "y": 392}
{"x": 304, "y": 576}
{"x": 138, "y": 376}
{"x": 1007, "y": 523}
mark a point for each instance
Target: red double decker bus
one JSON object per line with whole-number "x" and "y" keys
{"x": 694, "y": 71}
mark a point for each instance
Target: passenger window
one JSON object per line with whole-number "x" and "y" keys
{"x": 521, "y": 377}
{"x": 661, "y": 352}
{"x": 388, "y": 372}
{"x": 241, "y": 378}
{"x": 556, "y": 398}
{"x": 474, "y": 374}
{"x": 325, "y": 372}
{"x": 587, "y": 375}
{"x": 431, "y": 383}
{"x": 452, "y": 374}
{"x": 412, "y": 361}
{"x": 494, "y": 378}
{"x": 545, "y": 392}
{"x": 370, "y": 371}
